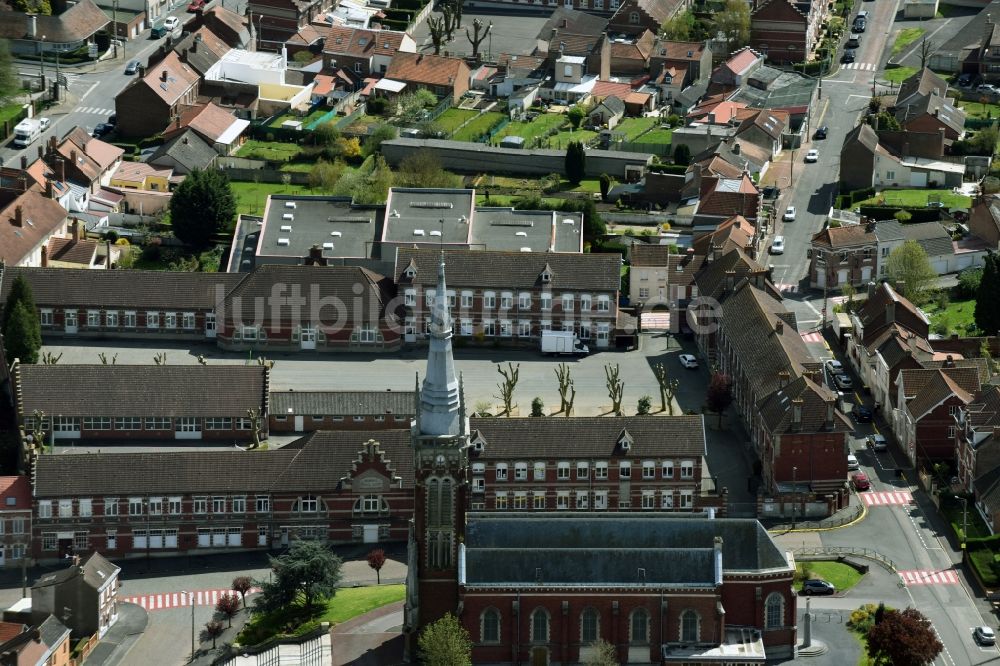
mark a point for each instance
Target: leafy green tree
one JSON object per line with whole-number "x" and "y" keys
{"x": 903, "y": 216}
{"x": 422, "y": 168}
{"x": 445, "y": 643}
{"x": 576, "y": 162}
{"x": 308, "y": 570}
{"x": 374, "y": 187}
{"x": 909, "y": 264}
{"x": 202, "y": 205}
{"x": 324, "y": 175}
{"x": 22, "y": 335}
{"x": 20, "y": 292}
{"x": 9, "y": 83}
{"x": 680, "y": 28}
{"x": 373, "y": 142}
{"x": 987, "y": 312}
{"x": 576, "y": 116}
{"x": 602, "y": 654}
{"x": 969, "y": 281}
{"x": 605, "y": 182}
{"x": 734, "y": 23}
{"x": 985, "y": 140}
{"x": 682, "y": 154}
{"x": 326, "y": 135}
{"x": 903, "y": 638}
{"x": 43, "y": 7}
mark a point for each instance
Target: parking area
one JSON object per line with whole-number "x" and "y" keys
{"x": 511, "y": 33}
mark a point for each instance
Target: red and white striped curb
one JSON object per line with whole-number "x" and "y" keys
{"x": 166, "y": 600}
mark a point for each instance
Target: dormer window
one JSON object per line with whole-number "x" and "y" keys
{"x": 546, "y": 276}
{"x": 625, "y": 440}
{"x": 478, "y": 443}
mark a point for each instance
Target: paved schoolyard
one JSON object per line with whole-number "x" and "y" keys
{"x": 510, "y": 34}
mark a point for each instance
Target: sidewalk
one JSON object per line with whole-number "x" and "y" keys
{"x": 114, "y": 647}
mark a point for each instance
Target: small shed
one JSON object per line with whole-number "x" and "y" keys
{"x": 512, "y": 142}
{"x": 920, "y": 9}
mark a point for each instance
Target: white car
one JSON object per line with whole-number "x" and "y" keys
{"x": 688, "y": 361}
{"x": 834, "y": 366}
{"x": 778, "y": 245}
{"x": 171, "y": 22}
{"x": 985, "y": 636}
{"x": 812, "y": 155}
{"x": 44, "y": 123}
{"x": 852, "y": 462}
{"x": 789, "y": 215}
{"x": 877, "y": 443}
{"x": 987, "y": 89}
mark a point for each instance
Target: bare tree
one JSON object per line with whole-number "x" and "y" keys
{"x": 213, "y": 629}
{"x": 616, "y": 387}
{"x": 255, "y": 430}
{"x": 105, "y": 360}
{"x": 48, "y": 358}
{"x": 567, "y": 392}
{"x": 506, "y": 387}
{"x": 926, "y": 49}
{"x": 436, "y": 27}
{"x": 668, "y": 388}
{"x": 476, "y": 39}
{"x": 160, "y": 359}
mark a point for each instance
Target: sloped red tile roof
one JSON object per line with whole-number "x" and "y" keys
{"x": 741, "y": 60}
{"x": 40, "y": 218}
{"x": 677, "y": 50}
{"x": 362, "y": 42}
{"x": 17, "y": 488}
{"x": 179, "y": 78}
{"x": 72, "y": 251}
{"x": 426, "y": 69}
{"x": 609, "y": 88}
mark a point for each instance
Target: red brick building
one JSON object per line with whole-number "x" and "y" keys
{"x": 844, "y": 255}
{"x": 15, "y": 516}
{"x": 785, "y": 31}
{"x": 926, "y": 405}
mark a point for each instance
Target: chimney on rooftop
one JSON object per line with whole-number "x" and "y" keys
{"x": 62, "y": 170}
{"x": 830, "y": 410}
{"x": 48, "y": 188}
{"x": 18, "y": 216}
{"x": 779, "y": 325}
{"x": 871, "y": 289}
{"x": 315, "y": 257}
{"x": 45, "y": 256}
{"x": 949, "y": 361}
{"x": 79, "y": 230}
{"x": 163, "y": 75}
{"x": 890, "y": 311}
{"x": 72, "y": 156}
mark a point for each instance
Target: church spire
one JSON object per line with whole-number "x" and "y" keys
{"x": 440, "y": 398}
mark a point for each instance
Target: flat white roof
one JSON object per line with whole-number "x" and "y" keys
{"x": 572, "y": 60}
{"x": 390, "y": 85}
{"x": 233, "y": 131}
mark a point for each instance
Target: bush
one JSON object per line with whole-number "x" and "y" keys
{"x": 968, "y": 282}
{"x": 377, "y": 106}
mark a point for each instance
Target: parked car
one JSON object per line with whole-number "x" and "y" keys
{"x": 848, "y": 56}
{"x": 102, "y": 129}
{"x": 859, "y": 25}
{"x": 688, "y": 361}
{"x": 44, "y": 123}
{"x": 877, "y": 443}
{"x": 812, "y": 155}
{"x": 818, "y": 586}
{"x": 860, "y": 481}
{"x": 132, "y": 67}
{"x": 834, "y": 366}
{"x": 113, "y": 120}
{"x": 196, "y": 5}
{"x": 861, "y": 413}
{"x": 852, "y": 461}
{"x": 778, "y": 245}
{"x": 821, "y": 132}
{"x": 987, "y": 89}
{"x": 985, "y": 636}
{"x": 964, "y": 80}
{"x": 771, "y": 192}
{"x": 854, "y": 41}
{"x": 789, "y": 215}
{"x": 171, "y": 23}
{"x": 843, "y": 382}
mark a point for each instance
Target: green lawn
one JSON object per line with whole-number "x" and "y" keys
{"x": 508, "y": 199}
{"x": 957, "y": 317}
{"x": 277, "y": 151}
{"x": 348, "y": 603}
{"x": 633, "y": 127}
{"x": 305, "y": 120}
{"x": 973, "y": 522}
{"x": 478, "y": 127}
{"x": 530, "y": 131}
{"x": 658, "y": 136}
{"x": 919, "y": 198}
{"x": 899, "y": 74}
{"x": 905, "y": 38}
{"x": 842, "y": 576}
{"x": 586, "y": 185}
{"x": 450, "y": 120}
{"x": 251, "y": 197}
{"x": 980, "y": 110}
{"x": 562, "y": 139}
{"x": 9, "y": 112}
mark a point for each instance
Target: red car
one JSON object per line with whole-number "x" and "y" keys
{"x": 860, "y": 481}
{"x": 196, "y": 5}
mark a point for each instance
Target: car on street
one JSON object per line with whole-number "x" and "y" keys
{"x": 854, "y": 41}
{"x": 860, "y": 481}
{"x": 834, "y": 366}
{"x": 171, "y": 23}
{"x": 688, "y": 361}
{"x": 852, "y": 461}
{"x": 985, "y": 636}
{"x": 818, "y": 586}
{"x": 877, "y": 443}
{"x": 843, "y": 382}
{"x": 859, "y": 25}
{"x": 812, "y": 155}
{"x": 102, "y": 130}
{"x": 789, "y": 215}
{"x": 987, "y": 89}
{"x": 848, "y": 56}
{"x": 778, "y": 245}
{"x": 132, "y": 67}
{"x": 861, "y": 413}
{"x": 771, "y": 192}
{"x": 964, "y": 81}
{"x": 821, "y": 132}
{"x": 196, "y": 5}
{"x": 44, "y": 123}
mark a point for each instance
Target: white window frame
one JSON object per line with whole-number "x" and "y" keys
{"x": 500, "y": 472}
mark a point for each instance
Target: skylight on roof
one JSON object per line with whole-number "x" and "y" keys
{"x": 431, "y": 204}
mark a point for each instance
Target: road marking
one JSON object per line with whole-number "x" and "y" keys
{"x": 892, "y": 498}
{"x": 929, "y": 577}
{"x": 93, "y": 110}
{"x": 812, "y": 336}
{"x": 179, "y": 600}
{"x": 826, "y": 105}
{"x": 89, "y": 90}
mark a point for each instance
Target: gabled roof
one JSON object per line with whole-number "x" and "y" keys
{"x": 778, "y": 414}
{"x": 712, "y": 278}
{"x": 216, "y": 125}
{"x": 513, "y": 270}
{"x": 426, "y": 69}
{"x": 638, "y": 49}
{"x": 848, "y": 235}
{"x": 372, "y": 403}
{"x": 72, "y": 251}
{"x": 229, "y": 26}
{"x": 571, "y": 21}
{"x": 202, "y": 49}
{"x": 987, "y": 490}
{"x": 772, "y": 123}
{"x": 139, "y": 171}
{"x": 609, "y": 88}
{"x": 733, "y": 234}
{"x": 188, "y": 150}
{"x": 874, "y": 314}
{"x": 360, "y": 42}
{"x": 28, "y": 220}
{"x": 170, "y": 79}
{"x": 651, "y": 436}
{"x": 963, "y": 383}
{"x": 658, "y": 10}
{"x": 923, "y": 83}
{"x": 141, "y": 390}
{"x": 97, "y": 571}
{"x": 729, "y": 196}
{"x": 93, "y": 156}
{"x": 931, "y": 236}
{"x": 742, "y": 60}
{"x": 15, "y": 494}
{"x": 671, "y": 50}
{"x": 613, "y": 104}
{"x": 941, "y": 108}
{"x": 862, "y": 135}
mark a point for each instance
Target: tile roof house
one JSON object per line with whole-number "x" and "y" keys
{"x": 184, "y": 153}
{"x": 844, "y": 255}
{"x": 931, "y": 236}
{"x": 693, "y": 58}
{"x": 883, "y": 309}
{"x": 88, "y": 161}
{"x": 514, "y": 295}
{"x": 148, "y": 105}
{"x": 364, "y": 52}
{"x": 201, "y": 49}
{"x": 28, "y": 221}
{"x": 932, "y": 114}
{"x": 47, "y": 643}
{"x": 71, "y": 28}
{"x": 922, "y": 84}
{"x": 786, "y": 31}
{"x": 926, "y": 404}
{"x": 984, "y": 219}
{"x": 441, "y": 75}
{"x": 15, "y": 512}
{"x": 635, "y": 16}
{"x": 143, "y": 176}
{"x": 338, "y": 486}
{"x": 231, "y": 27}
{"x": 217, "y": 127}
{"x": 608, "y": 113}
{"x": 722, "y": 198}
{"x": 136, "y": 402}
{"x": 78, "y": 251}
{"x": 763, "y": 128}
{"x": 89, "y": 590}
{"x": 735, "y": 71}
{"x": 630, "y": 56}
{"x": 859, "y": 150}
{"x": 977, "y": 440}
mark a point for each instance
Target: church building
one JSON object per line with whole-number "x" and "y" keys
{"x": 542, "y": 588}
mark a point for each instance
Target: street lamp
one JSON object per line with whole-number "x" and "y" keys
{"x": 190, "y": 596}
{"x": 795, "y": 494}
{"x": 41, "y": 58}
{"x": 965, "y": 506}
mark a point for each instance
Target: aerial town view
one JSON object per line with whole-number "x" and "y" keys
{"x": 527, "y": 332}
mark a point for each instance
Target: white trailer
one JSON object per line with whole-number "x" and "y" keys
{"x": 563, "y": 342}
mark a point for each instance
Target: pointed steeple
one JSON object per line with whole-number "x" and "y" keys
{"x": 440, "y": 397}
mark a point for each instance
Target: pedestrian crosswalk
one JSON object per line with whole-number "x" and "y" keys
{"x": 812, "y": 336}
{"x": 867, "y": 66}
{"x": 178, "y": 599}
{"x": 94, "y": 111}
{"x": 655, "y": 321}
{"x": 929, "y": 577}
{"x": 898, "y": 497}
